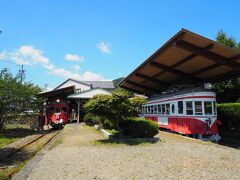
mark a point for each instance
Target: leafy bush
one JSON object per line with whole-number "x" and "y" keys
{"x": 108, "y": 124}
{"x": 139, "y": 128}
{"x": 114, "y": 108}
{"x": 229, "y": 115}
{"x": 91, "y": 119}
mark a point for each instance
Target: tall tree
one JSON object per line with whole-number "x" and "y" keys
{"x": 16, "y": 97}
{"x": 229, "y": 90}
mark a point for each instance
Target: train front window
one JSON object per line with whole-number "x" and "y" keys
{"x": 189, "y": 108}
{"x": 214, "y": 108}
{"x": 208, "y": 107}
{"x": 198, "y": 108}
{"x": 64, "y": 109}
{"x": 57, "y": 110}
{"x": 51, "y": 110}
{"x": 180, "y": 107}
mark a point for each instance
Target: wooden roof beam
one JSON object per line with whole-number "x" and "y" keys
{"x": 142, "y": 86}
{"x": 152, "y": 79}
{"x": 207, "y": 54}
{"x": 133, "y": 90}
{"x": 175, "y": 71}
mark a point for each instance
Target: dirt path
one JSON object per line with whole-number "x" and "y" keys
{"x": 80, "y": 152}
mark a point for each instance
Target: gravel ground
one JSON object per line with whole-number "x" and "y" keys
{"x": 80, "y": 152}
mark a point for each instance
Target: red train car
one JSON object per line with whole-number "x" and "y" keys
{"x": 57, "y": 112}
{"x": 186, "y": 113}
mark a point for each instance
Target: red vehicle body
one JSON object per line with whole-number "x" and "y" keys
{"x": 185, "y": 113}
{"x": 57, "y": 113}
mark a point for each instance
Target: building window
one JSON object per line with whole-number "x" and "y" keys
{"x": 180, "y": 107}
{"x": 77, "y": 90}
{"x": 189, "y": 108}
{"x": 208, "y": 107}
{"x": 198, "y": 108}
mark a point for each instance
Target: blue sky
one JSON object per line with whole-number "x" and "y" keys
{"x": 101, "y": 39}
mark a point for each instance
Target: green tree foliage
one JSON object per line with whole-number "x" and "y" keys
{"x": 115, "y": 107}
{"x": 229, "y": 90}
{"x": 136, "y": 104}
{"x": 229, "y": 115}
{"x": 99, "y": 105}
{"x": 16, "y": 97}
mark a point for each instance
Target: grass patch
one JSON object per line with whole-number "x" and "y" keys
{"x": 13, "y": 132}
{"x": 56, "y": 143}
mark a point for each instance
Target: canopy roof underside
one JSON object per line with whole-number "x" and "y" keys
{"x": 187, "y": 58}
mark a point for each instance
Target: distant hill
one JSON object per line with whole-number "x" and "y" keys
{"x": 117, "y": 81}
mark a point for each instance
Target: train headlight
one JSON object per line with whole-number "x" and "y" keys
{"x": 208, "y": 86}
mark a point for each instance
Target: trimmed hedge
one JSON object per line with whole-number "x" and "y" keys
{"x": 91, "y": 119}
{"x": 229, "y": 115}
{"x": 139, "y": 128}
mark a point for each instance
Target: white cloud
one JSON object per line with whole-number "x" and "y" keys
{"x": 3, "y": 55}
{"x": 29, "y": 55}
{"x": 104, "y": 47}
{"x": 76, "y": 67}
{"x": 73, "y": 57}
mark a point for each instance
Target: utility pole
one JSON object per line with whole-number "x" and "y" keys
{"x": 21, "y": 74}
{"x": 45, "y": 87}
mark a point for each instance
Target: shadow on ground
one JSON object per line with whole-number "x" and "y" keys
{"x": 129, "y": 141}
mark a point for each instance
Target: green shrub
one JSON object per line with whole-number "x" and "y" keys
{"x": 229, "y": 115}
{"x": 139, "y": 128}
{"x": 108, "y": 124}
{"x": 91, "y": 119}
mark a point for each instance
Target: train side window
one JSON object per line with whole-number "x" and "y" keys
{"x": 208, "y": 107}
{"x": 163, "y": 109}
{"x": 145, "y": 109}
{"x": 189, "y": 108}
{"x": 167, "y": 108}
{"x": 159, "y": 109}
{"x": 180, "y": 107}
{"x": 198, "y": 108}
{"x": 149, "y": 109}
{"x": 152, "y": 109}
{"x": 155, "y": 109}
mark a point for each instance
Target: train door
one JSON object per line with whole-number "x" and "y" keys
{"x": 172, "y": 119}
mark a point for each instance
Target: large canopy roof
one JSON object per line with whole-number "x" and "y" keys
{"x": 186, "y": 58}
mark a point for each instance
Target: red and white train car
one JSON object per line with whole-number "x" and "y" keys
{"x": 192, "y": 113}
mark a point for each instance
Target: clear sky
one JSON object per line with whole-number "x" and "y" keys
{"x": 100, "y": 39}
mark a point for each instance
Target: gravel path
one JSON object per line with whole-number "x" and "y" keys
{"x": 80, "y": 152}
